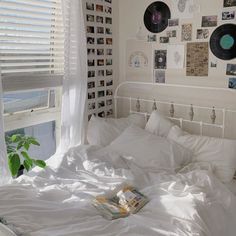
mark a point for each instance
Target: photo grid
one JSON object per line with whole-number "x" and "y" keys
{"x": 100, "y": 57}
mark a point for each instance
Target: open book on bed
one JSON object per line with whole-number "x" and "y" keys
{"x": 126, "y": 201}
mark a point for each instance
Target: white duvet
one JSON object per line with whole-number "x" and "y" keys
{"x": 56, "y": 202}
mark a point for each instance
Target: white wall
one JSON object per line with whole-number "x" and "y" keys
{"x": 131, "y": 18}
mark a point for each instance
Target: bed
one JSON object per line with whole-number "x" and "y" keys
{"x": 188, "y": 196}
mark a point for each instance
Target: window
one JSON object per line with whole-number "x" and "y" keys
{"x": 31, "y": 67}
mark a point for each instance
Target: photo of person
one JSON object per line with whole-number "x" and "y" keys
{"x": 108, "y": 31}
{"x": 91, "y": 73}
{"x": 109, "y": 83}
{"x": 101, "y": 104}
{"x": 108, "y": 10}
{"x": 91, "y": 95}
{"x": 91, "y": 63}
{"x": 109, "y": 72}
{"x": 91, "y": 51}
{"x": 100, "y": 30}
{"x": 102, "y": 114}
{"x": 101, "y": 93}
{"x": 108, "y": 62}
{"x": 108, "y": 20}
{"x": 90, "y": 40}
{"x": 100, "y": 41}
{"x": 164, "y": 39}
{"x": 110, "y": 112}
{"x": 228, "y": 15}
{"x": 99, "y": 8}
{"x": 202, "y": 33}
{"x": 90, "y": 18}
{"x": 109, "y": 52}
{"x": 109, "y": 92}
{"x": 89, "y": 6}
{"x": 91, "y": 106}
{"x": 99, "y": 19}
{"x": 109, "y": 41}
{"x": 101, "y": 83}
{"x": 109, "y": 102}
{"x": 100, "y": 52}
{"x": 90, "y": 29}
{"x": 91, "y": 85}
{"x": 100, "y": 73}
{"x": 100, "y": 62}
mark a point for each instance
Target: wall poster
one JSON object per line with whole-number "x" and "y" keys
{"x": 197, "y": 59}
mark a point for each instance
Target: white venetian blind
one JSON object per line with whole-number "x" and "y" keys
{"x": 31, "y": 37}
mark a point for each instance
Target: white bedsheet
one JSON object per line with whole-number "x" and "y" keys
{"x": 57, "y": 202}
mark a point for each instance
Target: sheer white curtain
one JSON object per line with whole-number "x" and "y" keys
{"x": 5, "y": 175}
{"x": 75, "y": 79}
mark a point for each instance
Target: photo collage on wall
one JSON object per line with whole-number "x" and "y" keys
{"x": 100, "y": 57}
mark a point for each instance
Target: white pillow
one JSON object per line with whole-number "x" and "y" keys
{"x": 158, "y": 124}
{"x": 102, "y": 131}
{"x": 220, "y": 153}
{"x": 150, "y": 151}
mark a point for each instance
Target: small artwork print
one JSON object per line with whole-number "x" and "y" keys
{"x": 209, "y": 21}
{"x": 109, "y": 83}
{"x": 213, "y": 64}
{"x": 100, "y": 62}
{"x": 91, "y": 106}
{"x": 108, "y": 41}
{"x": 100, "y": 73}
{"x": 91, "y": 63}
{"x": 109, "y": 92}
{"x": 101, "y": 83}
{"x": 108, "y": 31}
{"x": 197, "y": 65}
{"x": 108, "y": 20}
{"x": 108, "y": 10}
{"x": 164, "y": 39}
{"x": 186, "y": 32}
{"x": 108, "y": 62}
{"x": 109, "y": 72}
{"x": 91, "y": 74}
{"x": 173, "y": 22}
{"x": 100, "y": 30}
{"x": 231, "y": 69}
{"x": 109, "y": 52}
{"x": 160, "y": 59}
{"x": 91, "y": 95}
{"x": 99, "y": 19}
{"x": 232, "y": 83}
{"x": 171, "y": 33}
{"x": 102, "y": 114}
{"x": 90, "y": 40}
{"x": 202, "y": 33}
{"x": 101, "y": 94}
{"x": 110, "y": 112}
{"x": 229, "y": 3}
{"x": 100, "y": 41}
{"x": 90, "y": 6}
{"x": 91, "y": 85}
{"x": 101, "y": 104}
{"x": 228, "y": 15}
{"x": 99, "y": 8}
{"x": 159, "y": 76}
{"x": 90, "y": 18}
{"x": 100, "y": 52}
{"x": 109, "y": 102}
{"x": 91, "y": 52}
{"x": 90, "y": 29}
{"x": 152, "y": 38}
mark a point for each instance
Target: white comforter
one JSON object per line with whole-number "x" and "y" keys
{"x": 57, "y": 201}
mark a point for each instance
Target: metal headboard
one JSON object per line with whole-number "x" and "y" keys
{"x": 211, "y": 110}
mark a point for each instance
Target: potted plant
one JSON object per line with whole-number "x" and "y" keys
{"x": 19, "y": 159}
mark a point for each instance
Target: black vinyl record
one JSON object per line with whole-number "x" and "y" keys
{"x": 156, "y": 17}
{"x": 223, "y": 42}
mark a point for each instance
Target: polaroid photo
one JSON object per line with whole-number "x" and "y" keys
{"x": 209, "y": 21}
{"x": 100, "y": 41}
{"x": 100, "y": 52}
{"x": 108, "y": 41}
{"x": 102, "y": 114}
{"x": 173, "y": 22}
{"x": 99, "y": 19}
{"x": 202, "y": 33}
{"x": 109, "y": 31}
{"x": 232, "y": 83}
{"x": 90, "y": 30}
{"x": 91, "y": 106}
{"x": 101, "y": 94}
{"x": 101, "y": 83}
{"x": 164, "y": 39}
{"x": 90, "y": 40}
{"x": 91, "y": 62}
{"x": 100, "y": 73}
{"x": 99, "y": 8}
{"x": 100, "y": 30}
{"x": 91, "y": 95}
{"x": 108, "y": 10}
{"x": 109, "y": 72}
{"x": 91, "y": 85}
{"x": 228, "y": 15}
{"x": 90, "y": 6}
{"x": 90, "y": 18}
{"x": 100, "y": 62}
{"x": 108, "y": 20}
{"x": 101, "y": 104}
{"x": 91, "y": 73}
{"x": 109, "y": 82}
{"x": 108, "y": 62}
{"x": 109, "y": 92}
{"x": 109, "y": 102}
{"x": 229, "y": 3}
{"x": 91, "y": 52}
{"x": 109, "y": 52}
{"x": 231, "y": 69}
{"x": 152, "y": 38}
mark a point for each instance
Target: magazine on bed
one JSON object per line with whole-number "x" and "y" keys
{"x": 126, "y": 201}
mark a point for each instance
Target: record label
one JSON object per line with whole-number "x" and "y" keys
{"x": 223, "y": 42}
{"x": 156, "y": 17}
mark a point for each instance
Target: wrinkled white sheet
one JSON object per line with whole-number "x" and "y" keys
{"x": 57, "y": 202}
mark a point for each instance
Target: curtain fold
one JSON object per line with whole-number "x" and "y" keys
{"x": 5, "y": 176}
{"x": 73, "y": 118}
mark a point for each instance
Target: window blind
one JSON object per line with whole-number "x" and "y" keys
{"x": 31, "y": 37}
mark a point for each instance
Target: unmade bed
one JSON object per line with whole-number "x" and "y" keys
{"x": 186, "y": 178}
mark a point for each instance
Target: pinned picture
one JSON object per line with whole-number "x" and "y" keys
{"x": 91, "y": 106}
{"x": 102, "y": 114}
{"x": 109, "y": 92}
{"x": 232, "y": 83}
{"x": 101, "y": 104}
{"x": 101, "y": 83}
{"x": 91, "y": 85}
{"x": 100, "y": 30}
{"x": 91, "y": 52}
{"x": 100, "y": 52}
{"x": 90, "y": 29}
{"x": 152, "y": 38}
{"x": 159, "y": 76}
{"x": 171, "y": 33}
{"x": 213, "y": 64}
{"x": 108, "y": 20}
{"x": 108, "y": 41}
{"x": 100, "y": 73}
{"x": 90, "y": 6}
{"x": 109, "y": 83}
{"x": 186, "y": 32}
{"x": 100, "y": 62}
{"x": 91, "y": 74}
{"x": 108, "y": 10}
{"x": 90, "y": 18}
{"x": 108, "y": 31}
{"x": 176, "y": 56}
{"x": 229, "y": 3}
{"x": 164, "y": 39}
{"x": 99, "y": 8}
{"x": 99, "y": 19}
{"x": 108, "y": 62}
{"x": 91, "y": 63}
{"x": 101, "y": 93}
{"x": 109, "y": 1}
{"x": 91, "y": 95}
{"x": 228, "y": 15}
{"x": 209, "y": 21}
{"x": 90, "y": 40}
{"x": 109, "y": 102}
{"x": 160, "y": 59}
{"x": 231, "y": 69}
{"x": 110, "y": 112}
{"x": 202, "y": 33}
{"x": 109, "y": 72}
{"x": 100, "y": 41}
{"x": 173, "y": 22}
{"x": 109, "y": 52}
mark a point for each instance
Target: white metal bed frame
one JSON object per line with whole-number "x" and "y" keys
{"x": 172, "y": 105}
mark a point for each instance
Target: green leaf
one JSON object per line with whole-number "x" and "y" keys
{"x": 34, "y": 142}
{"x": 27, "y": 158}
{"x": 10, "y": 149}
{"x": 15, "y": 138}
{"x": 14, "y": 164}
{"x": 40, "y": 163}
{"x": 26, "y": 146}
{"x": 27, "y": 165}
{"x": 20, "y": 145}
